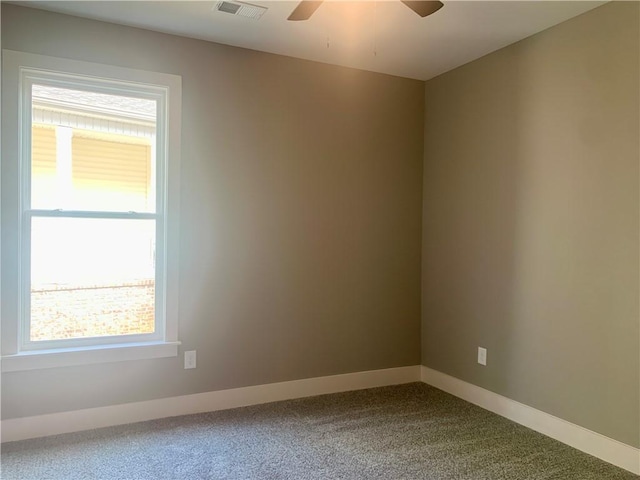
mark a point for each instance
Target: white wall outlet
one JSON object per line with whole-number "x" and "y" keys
{"x": 190, "y": 359}
{"x": 482, "y": 356}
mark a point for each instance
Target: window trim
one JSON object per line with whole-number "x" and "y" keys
{"x": 20, "y": 71}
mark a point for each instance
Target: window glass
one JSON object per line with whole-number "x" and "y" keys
{"x": 92, "y": 151}
{"x": 91, "y": 277}
{"x": 92, "y": 156}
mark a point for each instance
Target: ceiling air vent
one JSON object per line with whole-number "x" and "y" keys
{"x": 241, "y": 9}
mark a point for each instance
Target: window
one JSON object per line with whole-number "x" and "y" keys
{"x": 96, "y": 211}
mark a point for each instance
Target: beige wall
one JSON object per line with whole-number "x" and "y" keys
{"x": 530, "y": 237}
{"x": 300, "y": 221}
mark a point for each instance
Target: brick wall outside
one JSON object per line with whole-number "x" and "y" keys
{"x": 77, "y": 311}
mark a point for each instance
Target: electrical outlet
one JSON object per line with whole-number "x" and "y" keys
{"x": 482, "y": 356}
{"x": 190, "y": 359}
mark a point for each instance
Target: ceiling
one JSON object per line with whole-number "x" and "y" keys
{"x": 383, "y": 36}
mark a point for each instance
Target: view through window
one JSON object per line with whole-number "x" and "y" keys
{"x": 92, "y": 222}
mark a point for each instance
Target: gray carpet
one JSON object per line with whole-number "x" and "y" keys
{"x": 403, "y": 432}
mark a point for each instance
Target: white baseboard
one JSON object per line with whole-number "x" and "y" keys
{"x": 604, "y": 448}
{"x": 593, "y": 443}
{"x": 77, "y": 420}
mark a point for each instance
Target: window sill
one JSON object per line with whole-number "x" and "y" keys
{"x": 66, "y": 357}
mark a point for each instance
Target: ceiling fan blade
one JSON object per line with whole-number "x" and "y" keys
{"x": 304, "y": 10}
{"x": 424, "y": 8}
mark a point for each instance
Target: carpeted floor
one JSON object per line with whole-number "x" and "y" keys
{"x": 403, "y": 432}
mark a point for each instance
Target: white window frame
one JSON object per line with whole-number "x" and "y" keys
{"x": 19, "y": 72}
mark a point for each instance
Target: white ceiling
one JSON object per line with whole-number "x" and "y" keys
{"x": 383, "y": 36}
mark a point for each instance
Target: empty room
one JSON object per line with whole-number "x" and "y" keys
{"x": 320, "y": 240}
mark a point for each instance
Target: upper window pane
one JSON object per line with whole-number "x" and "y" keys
{"x": 92, "y": 151}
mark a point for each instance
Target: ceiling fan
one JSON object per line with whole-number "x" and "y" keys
{"x": 305, "y": 8}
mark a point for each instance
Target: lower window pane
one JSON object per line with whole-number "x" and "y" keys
{"x": 91, "y": 278}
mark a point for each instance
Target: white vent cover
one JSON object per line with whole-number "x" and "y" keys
{"x": 241, "y": 9}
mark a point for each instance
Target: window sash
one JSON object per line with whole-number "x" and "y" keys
{"x": 91, "y": 214}
{"x": 29, "y": 77}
